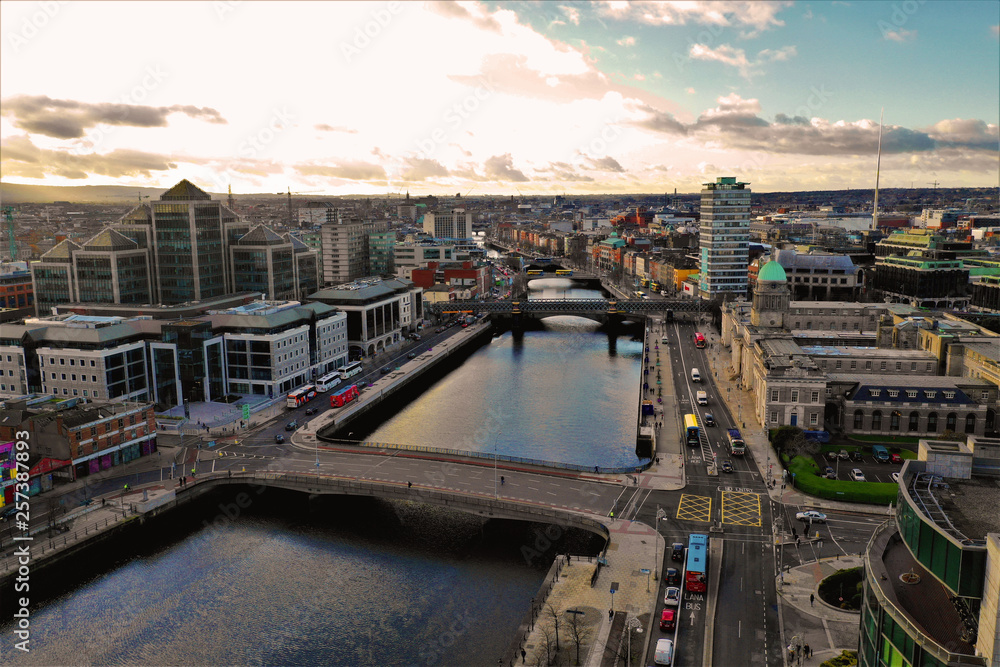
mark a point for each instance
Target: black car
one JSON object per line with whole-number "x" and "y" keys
{"x": 831, "y": 455}
{"x": 292, "y": 425}
{"x": 386, "y": 369}
{"x": 362, "y": 385}
{"x": 672, "y": 577}
{"x": 279, "y": 438}
{"x": 311, "y": 411}
{"x": 677, "y": 552}
{"x": 411, "y": 355}
{"x": 727, "y": 466}
{"x": 709, "y": 419}
{"x": 857, "y": 456}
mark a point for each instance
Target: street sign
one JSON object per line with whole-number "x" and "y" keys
{"x": 246, "y": 412}
{"x": 211, "y": 443}
{"x": 644, "y": 571}
{"x": 614, "y": 587}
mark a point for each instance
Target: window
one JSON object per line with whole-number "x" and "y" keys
{"x": 970, "y": 423}
{"x": 868, "y": 365}
{"x": 929, "y": 393}
{"x": 854, "y": 364}
{"x": 914, "y": 421}
{"x": 795, "y": 395}
{"x": 839, "y": 363}
{"x": 72, "y": 362}
{"x": 950, "y": 421}
{"x": 911, "y": 393}
{"x": 62, "y": 362}
{"x": 913, "y": 365}
{"x": 74, "y": 377}
{"x": 930, "y": 367}
{"x": 814, "y": 419}
{"x": 932, "y": 426}
{"x": 875, "y": 392}
{"x": 881, "y": 366}
{"x": 894, "y": 420}
{"x": 63, "y": 376}
{"x": 815, "y": 397}
{"x": 84, "y": 392}
{"x": 774, "y": 417}
{"x": 948, "y": 394}
{"x": 899, "y": 365}
{"x": 893, "y": 393}
{"x": 774, "y": 395}
{"x": 984, "y": 396}
{"x": 92, "y": 363}
{"x": 859, "y": 419}
{"x": 877, "y": 420}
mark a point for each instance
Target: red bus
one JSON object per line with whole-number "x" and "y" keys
{"x": 699, "y": 340}
{"x": 696, "y": 569}
{"x": 344, "y": 396}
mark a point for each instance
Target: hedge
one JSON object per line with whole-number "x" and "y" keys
{"x": 845, "y": 659}
{"x": 807, "y": 480}
{"x": 847, "y": 582}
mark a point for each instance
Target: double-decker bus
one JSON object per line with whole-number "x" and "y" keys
{"x": 735, "y": 442}
{"x": 534, "y": 272}
{"x": 342, "y": 397}
{"x": 350, "y": 369}
{"x": 691, "y": 433}
{"x": 564, "y": 272}
{"x": 328, "y": 382}
{"x": 696, "y": 568}
{"x": 654, "y": 286}
{"x": 300, "y": 396}
{"x": 699, "y": 340}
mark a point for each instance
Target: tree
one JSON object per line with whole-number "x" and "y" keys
{"x": 554, "y": 614}
{"x": 578, "y": 632}
{"x": 544, "y": 655}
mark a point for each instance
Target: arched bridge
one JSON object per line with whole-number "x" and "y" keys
{"x": 599, "y": 309}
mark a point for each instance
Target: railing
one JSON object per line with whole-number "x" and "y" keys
{"x": 901, "y": 617}
{"x": 486, "y": 456}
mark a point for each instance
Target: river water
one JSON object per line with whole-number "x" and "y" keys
{"x": 348, "y": 581}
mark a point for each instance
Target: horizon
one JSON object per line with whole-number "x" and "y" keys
{"x": 531, "y": 99}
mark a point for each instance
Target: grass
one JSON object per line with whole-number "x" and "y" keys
{"x": 807, "y": 480}
{"x": 885, "y": 439}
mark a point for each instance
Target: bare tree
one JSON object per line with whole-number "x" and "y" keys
{"x": 579, "y": 633}
{"x": 544, "y": 655}
{"x": 554, "y": 614}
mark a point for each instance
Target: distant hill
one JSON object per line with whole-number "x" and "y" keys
{"x": 15, "y": 193}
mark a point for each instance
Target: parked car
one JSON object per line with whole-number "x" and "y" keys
{"x": 411, "y": 355}
{"x": 857, "y": 475}
{"x": 894, "y": 477}
{"x": 843, "y": 455}
{"x": 831, "y": 455}
{"x": 856, "y": 455}
{"x": 677, "y": 551}
{"x": 362, "y": 385}
{"x": 811, "y": 515}
{"x": 672, "y": 577}
{"x": 895, "y": 458}
{"x": 668, "y": 619}
{"x": 727, "y": 466}
{"x": 292, "y": 425}
{"x": 386, "y": 369}
{"x": 664, "y": 653}
{"x": 311, "y": 411}
{"x": 709, "y": 419}
{"x": 279, "y": 438}
{"x": 672, "y": 597}
{"x": 415, "y": 337}
{"x": 439, "y": 330}
{"x": 830, "y": 473}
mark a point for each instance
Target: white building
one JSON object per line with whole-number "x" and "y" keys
{"x": 724, "y": 239}
{"x": 453, "y": 224}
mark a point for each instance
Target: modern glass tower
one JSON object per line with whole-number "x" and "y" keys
{"x": 724, "y": 239}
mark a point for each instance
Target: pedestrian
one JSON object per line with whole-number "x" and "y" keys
{"x": 596, "y": 469}
{"x": 611, "y": 614}
{"x": 409, "y": 485}
{"x": 807, "y": 651}
{"x": 812, "y": 598}
{"x": 524, "y": 654}
{"x": 793, "y": 532}
{"x": 501, "y": 480}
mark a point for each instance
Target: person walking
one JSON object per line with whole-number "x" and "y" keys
{"x": 501, "y": 480}
{"x": 812, "y": 598}
{"x": 807, "y": 652}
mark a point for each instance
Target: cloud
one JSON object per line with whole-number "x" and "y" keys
{"x": 20, "y": 157}
{"x": 995, "y": 29}
{"x": 500, "y": 168}
{"x": 457, "y": 11}
{"x": 626, "y": 41}
{"x": 690, "y": 91}
{"x": 418, "y": 169}
{"x": 572, "y": 14}
{"x": 900, "y": 35}
{"x": 352, "y": 170}
{"x": 606, "y": 164}
{"x": 734, "y": 57}
{"x": 730, "y": 13}
{"x": 323, "y": 127}
{"x": 660, "y": 121}
{"x": 562, "y": 171}
{"x": 69, "y": 119}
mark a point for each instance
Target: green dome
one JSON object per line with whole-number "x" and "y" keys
{"x": 773, "y": 272}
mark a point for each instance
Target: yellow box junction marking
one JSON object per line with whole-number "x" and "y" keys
{"x": 695, "y": 508}
{"x": 740, "y": 508}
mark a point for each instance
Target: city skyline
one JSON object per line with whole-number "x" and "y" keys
{"x": 499, "y": 98}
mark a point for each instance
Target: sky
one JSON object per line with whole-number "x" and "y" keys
{"x": 377, "y": 98}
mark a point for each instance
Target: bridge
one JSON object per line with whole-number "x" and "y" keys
{"x": 596, "y": 309}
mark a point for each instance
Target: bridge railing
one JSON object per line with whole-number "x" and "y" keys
{"x": 486, "y": 456}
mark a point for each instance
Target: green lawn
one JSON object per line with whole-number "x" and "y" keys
{"x": 807, "y": 480}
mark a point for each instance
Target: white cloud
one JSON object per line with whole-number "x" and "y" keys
{"x": 626, "y": 41}
{"x": 732, "y": 13}
{"x": 690, "y": 91}
{"x": 572, "y": 14}
{"x": 735, "y": 57}
{"x": 900, "y": 35}
{"x": 995, "y": 29}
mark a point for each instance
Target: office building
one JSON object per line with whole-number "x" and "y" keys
{"x": 379, "y": 312}
{"x": 346, "y": 248}
{"x": 724, "y": 239}
{"x": 453, "y": 224}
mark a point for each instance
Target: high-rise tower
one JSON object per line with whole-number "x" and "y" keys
{"x": 724, "y": 239}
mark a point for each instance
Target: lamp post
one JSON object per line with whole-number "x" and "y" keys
{"x": 496, "y": 491}
{"x": 633, "y": 624}
{"x": 656, "y": 557}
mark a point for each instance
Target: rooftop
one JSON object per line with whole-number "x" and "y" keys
{"x": 966, "y": 509}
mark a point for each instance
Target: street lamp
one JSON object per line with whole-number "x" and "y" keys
{"x": 656, "y": 558}
{"x": 633, "y": 624}
{"x": 496, "y": 492}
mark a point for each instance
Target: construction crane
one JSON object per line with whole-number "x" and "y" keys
{"x": 290, "y": 193}
{"x": 11, "y": 240}
{"x": 935, "y": 184}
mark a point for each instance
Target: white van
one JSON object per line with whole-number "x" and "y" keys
{"x": 695, "y": 375}
{"x": 664, "y": 654}
{"x": 701, "y": 397}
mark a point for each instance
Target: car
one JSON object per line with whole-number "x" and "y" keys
{"x": 668, "y": 619}
{"x": 411, "y": 355}
{"x": 361, "y": 385}
{"x": 727, "y": 466}
{"x": 386, "y": 369}
{"x": 811, "y": 516}
{"x": 843, "y": 455}
{"x": 857, "y": 456}
{"x": 415, "y": 337}
{"x": 672, "y": 577}
{"x": 465, "y": 325}
{"x": 672, "y": 597}
{"x": 677, "y": 552}
{"x": 894, "y": 477}
{"x": 857, "y": 475}
{"x": 439, "y": 330}
{"x": 709, "y": 419}
{"x": 279, "y": 438}
{"x": 311, "y": 411}
{"x": 664, "y": 653}
{"x": 292, "y": 425}
{"x": 830, "y": 473}
{"x": 895, "y": 458}
{"x": 831, "y": 455}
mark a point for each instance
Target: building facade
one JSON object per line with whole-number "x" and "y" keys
{"x": 453, "y": 224}
{"x": 724, "y": 239}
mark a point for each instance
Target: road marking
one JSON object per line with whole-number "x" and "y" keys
{"x": 740, "y": 508}
{"x": 694, "y": 508}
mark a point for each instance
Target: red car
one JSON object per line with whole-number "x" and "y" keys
{"x": 668, "y": 619}
{"x": 895, "y": 458}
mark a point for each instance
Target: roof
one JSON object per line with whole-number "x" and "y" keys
{"x": 260, "y": 235}
{"x": 272, "y": 320}
{"x": 773, "y": 272}
{"x": 928, "y": 388}
{"x": 297, "y": 245}
{"x": 109, "y": 239}
{"x": 61, "y": 252}
{"x": 185, "y": 191}
{"x": 789, "y": 258}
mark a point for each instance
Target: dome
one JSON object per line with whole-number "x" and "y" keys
{"x": 772, "y": 272}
